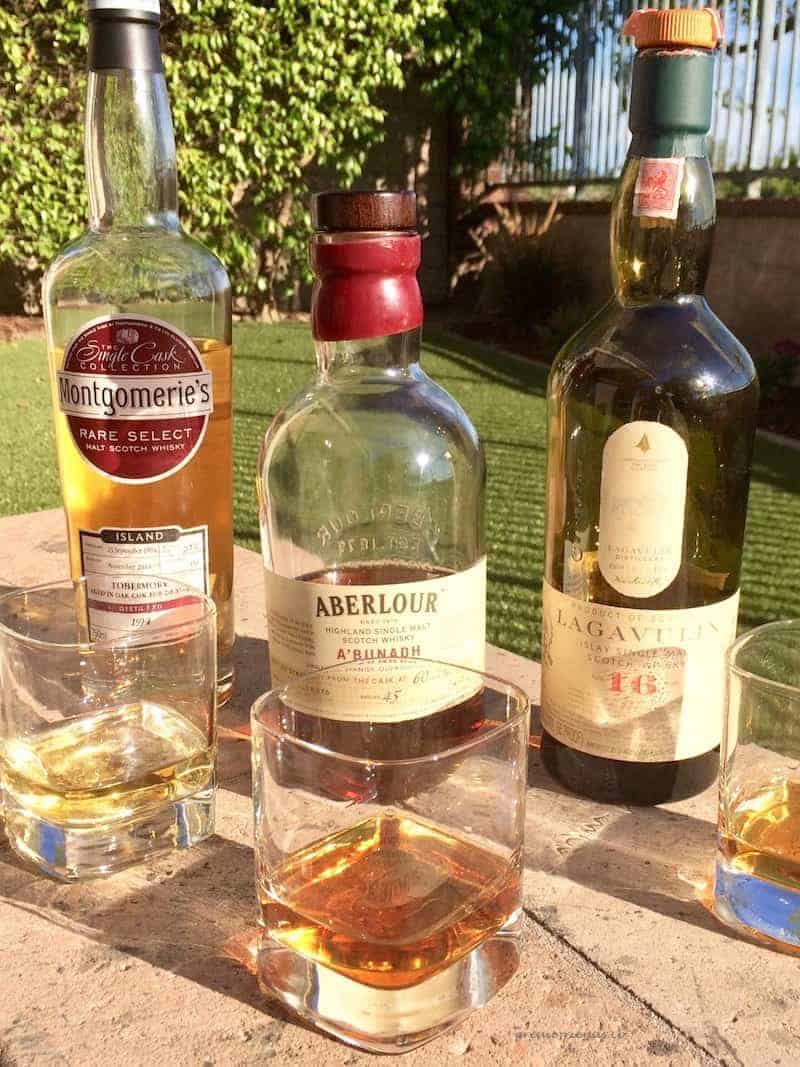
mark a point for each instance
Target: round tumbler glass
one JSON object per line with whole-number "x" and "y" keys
{"x": 390, "y": 889}
{"x": 107, "y": 747}
{"x": 757, "y": 884}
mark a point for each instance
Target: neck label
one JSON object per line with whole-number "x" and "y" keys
{"x": 658, "y": 188}
{"x": 136, "y": 396}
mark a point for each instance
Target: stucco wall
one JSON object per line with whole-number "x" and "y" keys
{"x": 754, "y": 285}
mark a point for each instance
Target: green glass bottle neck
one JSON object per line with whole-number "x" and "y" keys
{"x": 130, "y": 151}
{"x": 658, "y": 253}
{"x": 655, "y": 258}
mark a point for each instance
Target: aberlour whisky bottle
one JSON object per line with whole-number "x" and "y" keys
{"x": 371, "y": 492}
{"x": 651, "y": 422}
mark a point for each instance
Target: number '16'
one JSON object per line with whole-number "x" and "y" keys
{"x": 643, "y": 684}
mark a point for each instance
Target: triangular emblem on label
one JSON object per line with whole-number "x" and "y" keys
{"x": 644, "y": 444}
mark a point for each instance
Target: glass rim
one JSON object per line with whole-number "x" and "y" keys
{"x": 511, "y": 722}
{"x": 162, "y": 635}
{"x": 754, "y": 634}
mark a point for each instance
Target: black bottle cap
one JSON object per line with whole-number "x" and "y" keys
{"x": 123, "y": 35}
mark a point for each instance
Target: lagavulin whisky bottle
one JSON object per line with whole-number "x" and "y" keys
{"x": 138, "y": 318}
{"x": 651, "y": 422}
{"x": 371, "y": 488}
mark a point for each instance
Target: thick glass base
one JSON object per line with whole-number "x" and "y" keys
{"x": 389, "y": 1020}
{"x": 616, "y": 781}
{"x": 756, "y": 906}
{"x": 72, "y": 853}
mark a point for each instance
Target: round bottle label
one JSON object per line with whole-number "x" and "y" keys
{"x": 136, "y": 396}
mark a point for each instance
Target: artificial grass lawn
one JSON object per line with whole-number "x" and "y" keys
{"x": 504, "y": 397}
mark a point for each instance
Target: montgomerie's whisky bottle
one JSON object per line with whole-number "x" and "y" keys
{"x": 371, "y": 489}
{"x": 138, "y": 318}
{"x": 651, "y": 422}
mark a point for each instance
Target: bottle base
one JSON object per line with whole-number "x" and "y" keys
{"x": 615, "y": 781}
{"x": 389, "y": 1020}
{"x": 72, "y": 854}
{"x": 756, "y": 906}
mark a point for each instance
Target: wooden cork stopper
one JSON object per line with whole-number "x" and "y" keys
{"x": 364, "y": 209}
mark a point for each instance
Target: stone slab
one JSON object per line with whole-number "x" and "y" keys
{"x": 622, "y": 962}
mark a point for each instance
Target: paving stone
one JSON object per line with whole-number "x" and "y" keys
{"x": 622, "y": 964}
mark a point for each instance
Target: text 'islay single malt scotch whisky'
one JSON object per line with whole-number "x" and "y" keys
{"x": 390, "y": 902}
{"x": 651, "y": 421}
{"x": 371, "y": 490}
{"x": 138, "y": 320}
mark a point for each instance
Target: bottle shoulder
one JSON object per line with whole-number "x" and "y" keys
{"x": 112, "y": 264}
{"x": 377, "y": 413}
{"x": 669, "y": 347}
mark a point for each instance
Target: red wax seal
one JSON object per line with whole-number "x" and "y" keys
{"x": 136, "y": 397}
{"x": 366, "y": 286}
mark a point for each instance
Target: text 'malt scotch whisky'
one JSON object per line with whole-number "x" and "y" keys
{"x": 651, "y": 422}
{"x": 138, "y": 318}
{"x": 371, "y": 491}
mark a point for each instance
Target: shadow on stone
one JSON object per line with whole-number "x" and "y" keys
{"x": 251, "y": 679}
{"x": 653, "y": 858}
{"x": 190, "y": 913}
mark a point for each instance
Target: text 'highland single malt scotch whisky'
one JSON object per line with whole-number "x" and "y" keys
{"x": 138, "y": 320}
{"x": 651, "y": 421}
{"x": 371, "y": 490}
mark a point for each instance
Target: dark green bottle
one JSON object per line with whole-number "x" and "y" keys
{"x": 651, "y": 422}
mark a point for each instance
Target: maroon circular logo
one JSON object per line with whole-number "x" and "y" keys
{"x": 136, "y": 397}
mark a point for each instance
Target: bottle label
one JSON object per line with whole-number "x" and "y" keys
{"x": 635, "y": 685}
{"x": 315, "y": 624}
{"x": 657, "y": 192}
{"x": 129, "y": 573}
{"x": 136, "y": 395}
{"x": 642, "y": 508}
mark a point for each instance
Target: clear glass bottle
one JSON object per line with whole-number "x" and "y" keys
{"x": 138, "y": 319}
{"x": 651, "y": 415}
{"x": 371, "y": 488}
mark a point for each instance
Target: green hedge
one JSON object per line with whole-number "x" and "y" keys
{"x": 265, "y": 96}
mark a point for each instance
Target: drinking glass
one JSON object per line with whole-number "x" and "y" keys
{"x": 389, "y": 888}
{"x": 757, "y": 885}
{"x": 107, "y": 747}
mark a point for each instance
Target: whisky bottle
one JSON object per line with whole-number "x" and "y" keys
{"x": 138, "y": 319}
{"x": 371, "y": 490}
{"x": 651, "y": 422}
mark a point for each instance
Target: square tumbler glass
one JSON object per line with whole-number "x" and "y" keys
{"x": 107, "y": 747}
{"x": 757, "y": 883}
{"x": 389, "y": 888}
